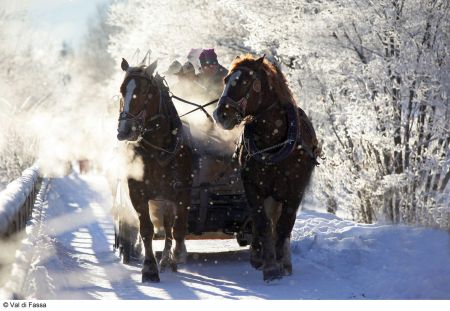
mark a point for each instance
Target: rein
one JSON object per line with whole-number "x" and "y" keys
{"x": 175, "y": 148}
{"x": 199, "y": 107}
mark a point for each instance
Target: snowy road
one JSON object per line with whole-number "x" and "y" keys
{"x": 72, "y": 258}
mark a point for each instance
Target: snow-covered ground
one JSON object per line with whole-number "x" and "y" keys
{"x": 70, "y": 252}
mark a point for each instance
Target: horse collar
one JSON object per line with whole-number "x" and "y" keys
{"x": 265, "y": 155}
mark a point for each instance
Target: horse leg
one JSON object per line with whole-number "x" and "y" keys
{"x": 284, "y": 228}
{"x": 167, "y": 259}
{"x": 180, "y": 227}
{"x": 150, "y": 268}
{"x": 272, "y": 209}
{"x": 256, "y": 254}
{"x": 263, "y": 232}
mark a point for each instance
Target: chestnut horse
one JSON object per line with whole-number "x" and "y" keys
{"x": 148, "y": 118}
{"x": 277, "y": 153}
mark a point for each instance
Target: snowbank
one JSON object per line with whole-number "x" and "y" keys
{"x": 25, "y": 256}
{"x": 14, "y": 196}
{"x": 377, "y": 261}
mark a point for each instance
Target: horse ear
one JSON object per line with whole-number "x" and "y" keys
{"x": 151, "y": 68}
{"x": 259, "y": 61}
{"x": 124, "y": 65}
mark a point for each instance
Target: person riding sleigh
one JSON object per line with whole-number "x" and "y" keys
{"x": 211, "y": 73}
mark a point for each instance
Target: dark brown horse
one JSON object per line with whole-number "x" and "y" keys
{"x": 277, "y": 154}
{"x": 149, "y": 119}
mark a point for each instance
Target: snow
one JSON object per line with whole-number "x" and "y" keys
{"x": 70, "y": 254}
{"x": 14, "y": 195}
{"x": 382, "y": 261}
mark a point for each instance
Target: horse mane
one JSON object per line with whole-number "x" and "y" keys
{"x": 169, "y": 106}
{"x": 276, "y": 79}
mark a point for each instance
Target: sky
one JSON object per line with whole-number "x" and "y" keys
{"x": 65, "y": 19}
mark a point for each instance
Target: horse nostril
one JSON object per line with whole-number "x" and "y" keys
{"x": 122, "y": 136}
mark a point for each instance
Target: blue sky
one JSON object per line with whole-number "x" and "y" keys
{"x": 64, "y": 19}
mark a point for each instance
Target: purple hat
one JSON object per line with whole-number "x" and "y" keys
{"x": 208, "y": 56}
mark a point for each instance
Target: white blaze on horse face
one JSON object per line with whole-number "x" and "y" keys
{"x": 127, "y": 101}
{"x": 129, "y": 95}
{"x": 231, "y": 82}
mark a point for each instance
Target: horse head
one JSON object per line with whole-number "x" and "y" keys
{"x": 242, "y": 94}
{"x": 139, "y": 102}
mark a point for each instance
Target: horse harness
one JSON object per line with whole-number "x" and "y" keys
{"x": 277, "y": 153}
{"x": 285, "y": 148}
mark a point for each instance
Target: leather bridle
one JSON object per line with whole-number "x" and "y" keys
{"x": 141, "y": 118}
{"x": 240, "y": 105}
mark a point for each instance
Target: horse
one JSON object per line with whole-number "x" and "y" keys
{"x": 150, "y": 123}
{"x": 277, "y": 155}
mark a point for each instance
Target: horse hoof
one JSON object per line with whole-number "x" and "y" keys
{"x": 272, "y": 274}
{"x": 150, "y": 272}
{"x": 162, "y": 268}
{"x": 287, "y": 270}
{"x": 256, "y": 263}
{"x": 164, "y": 264}
{"x": 150, "y": 277}
{"x": 180, "y": 256}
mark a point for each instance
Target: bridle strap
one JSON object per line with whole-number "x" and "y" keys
{"x": 141, "y": 117}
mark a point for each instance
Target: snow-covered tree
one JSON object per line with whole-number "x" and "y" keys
{"x": 33, "y": 78}
{"x": 171, "y": 28}
{"x": 374, "y": 78}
